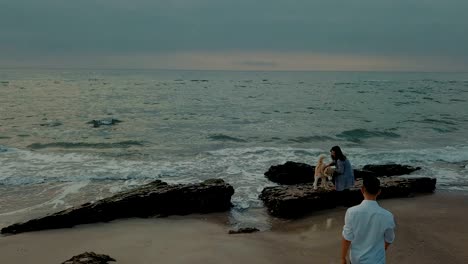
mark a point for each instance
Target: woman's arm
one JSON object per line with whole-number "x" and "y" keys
{"x": 329, "y": 164}
{"x": 340, "y": 164}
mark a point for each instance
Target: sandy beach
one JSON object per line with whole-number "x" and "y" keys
{"x": 430, "y": 229}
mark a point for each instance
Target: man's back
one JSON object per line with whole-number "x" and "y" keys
{"x": 368, "y": 226}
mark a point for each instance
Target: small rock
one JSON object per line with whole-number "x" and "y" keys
{"x": 244, "y": 230}
{"x": 89, "y": 258}
{"x": 51, "y": 123}
{"x": 104, "y": 122}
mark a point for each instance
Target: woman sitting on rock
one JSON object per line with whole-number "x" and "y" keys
{"x": 343, "y": 178}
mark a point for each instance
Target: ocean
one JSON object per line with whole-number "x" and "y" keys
{"x": 186, "y": 126}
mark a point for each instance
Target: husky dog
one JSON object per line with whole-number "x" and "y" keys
{"x": 322, "y": 172}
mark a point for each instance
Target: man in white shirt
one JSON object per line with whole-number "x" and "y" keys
{"x": 368, "y": 228}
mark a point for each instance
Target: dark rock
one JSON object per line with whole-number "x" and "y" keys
{"x": 291, "y": 173}
{"x": 359, "y": 174}
{"x": 244, "y": 230}
{"x": 422, "y": 185}
{"x": 297, "y": 173}
{"x": 104, "y": 122}
{"x": 89, "y": 258}
{"x": 156, "y": 198}
{"x": 390, "y": 169}
{"x": 297, "y": 200}
{"x": 52, "y": 123}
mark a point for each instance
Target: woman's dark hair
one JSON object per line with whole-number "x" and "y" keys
{"x": 338, "y": 153}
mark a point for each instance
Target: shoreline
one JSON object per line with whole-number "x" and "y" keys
{"x": 430, "y": 229}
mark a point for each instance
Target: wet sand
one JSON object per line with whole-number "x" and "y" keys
{"x": 430, "y": 229}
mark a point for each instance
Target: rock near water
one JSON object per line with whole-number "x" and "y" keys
{"x": 104, "y": 122}
{"x": 292, "y": 201}
{"x": 154, "y": 199}
{"x": 291, "y": 173}
{"x": 386, "y": 170}
{"x": 297, "y": 173}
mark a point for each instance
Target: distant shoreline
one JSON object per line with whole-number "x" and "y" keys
{"x": 218, "y": 70}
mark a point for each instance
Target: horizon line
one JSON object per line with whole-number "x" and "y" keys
{"x": 218, "y": 70}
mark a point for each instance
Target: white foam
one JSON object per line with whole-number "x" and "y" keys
{"x": 243, "y": 168}
{"x": 5, "y": 149}
{"x": 450, "y": 154}
{"x": 67, "y": 189}
{"x": 28, "y": 167}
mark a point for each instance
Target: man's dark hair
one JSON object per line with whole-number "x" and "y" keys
{"x": 372, "y": 184}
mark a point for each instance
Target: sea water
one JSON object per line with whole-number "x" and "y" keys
{"x": 187, "y": 126}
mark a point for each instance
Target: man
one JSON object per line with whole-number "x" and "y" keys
{"x": 368, "y": 228}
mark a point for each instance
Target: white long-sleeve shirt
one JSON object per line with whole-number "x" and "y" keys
{"x": 368, "y": 226}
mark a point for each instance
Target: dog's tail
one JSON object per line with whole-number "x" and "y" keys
{"x": 321, "y": 158}
{"x": 319, "y": 167}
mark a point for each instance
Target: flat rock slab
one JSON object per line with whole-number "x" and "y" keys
{"x": 386, "y": 170}
{"x": 292, "y": 201}
{"x": 298, "y": 173}
{"x": 89, "y": 258}
{"x": 154, "y": 199}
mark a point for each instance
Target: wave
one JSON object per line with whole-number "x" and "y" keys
{"x": 445, "y": 129}
{"x": 437, "y": 121}
{"x": 373, "y": 81}
{"x": 22, "y": 181}
{"x": 345, "y": 83}
{"x": 22, "y": 166}
{"x": 19, "y": 165}
{"x": 439, "y": 125}
{"x": 71, "y": 145}
{"x": 357, "y": 135}
{"x": 409, "y": 103}
{"x": 97, "y": 176}
{"x": 414, "y": 91}
{"x": 4, "y": 149}
{"x": 222, "y": 137}
{"x": 457, "y": 100}
{"x": 311, "y": 139}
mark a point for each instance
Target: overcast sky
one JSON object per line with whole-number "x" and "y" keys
{"x": 413, "y": 35}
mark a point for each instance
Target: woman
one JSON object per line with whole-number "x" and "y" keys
{"x": 344, "y": 175}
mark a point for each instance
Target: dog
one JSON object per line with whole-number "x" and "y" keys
{"x": 322, "y": 173}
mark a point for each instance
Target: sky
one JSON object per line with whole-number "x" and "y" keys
{"x": 381, "y": 35}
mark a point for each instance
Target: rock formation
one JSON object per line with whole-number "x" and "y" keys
{"x": 291, "y": 201}
{"x": 154, "y": 199}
